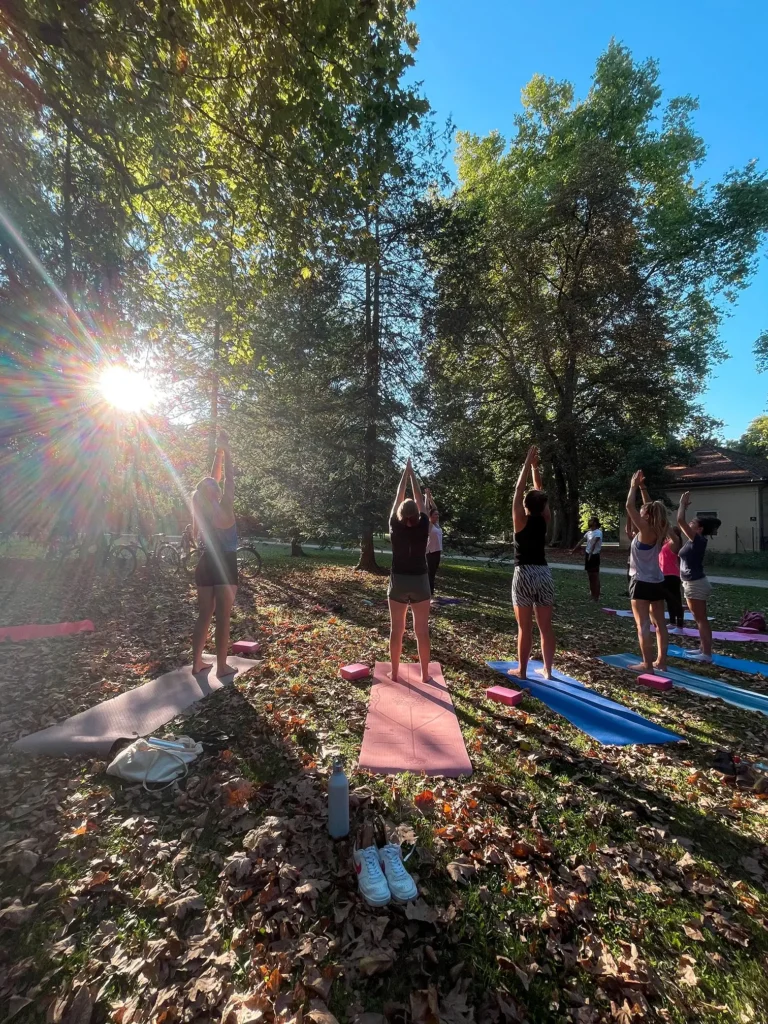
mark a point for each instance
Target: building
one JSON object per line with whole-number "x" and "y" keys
{"x": 729, "y": 485}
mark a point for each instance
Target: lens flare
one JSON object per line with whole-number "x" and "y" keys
{"x": 126, "y": 390}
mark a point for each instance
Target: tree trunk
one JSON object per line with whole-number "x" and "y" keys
{"x": 367, "y": 561}
{"x": 66, "y": 225}
{"x": 566, "y": 504}
{"x": 214, "y": 426}
{"x": 296, "y": 551}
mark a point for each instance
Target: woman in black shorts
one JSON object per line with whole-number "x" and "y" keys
{"x": 216, "y": 573}
{"x": 533, "y": 589}
{"x": 647, "y": 591}
{"x": 409, "y": 579}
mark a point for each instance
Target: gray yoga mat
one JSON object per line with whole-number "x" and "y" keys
{"x": 137, "y": 712}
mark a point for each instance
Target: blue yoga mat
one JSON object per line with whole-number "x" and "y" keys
{"x": 605, "y": 720}
{"x": 702, "y": 685}
{"x": 752, "y": 668}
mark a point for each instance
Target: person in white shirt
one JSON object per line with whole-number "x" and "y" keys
{"x": 435, "y": 542}
{"x": 592, "y": 542}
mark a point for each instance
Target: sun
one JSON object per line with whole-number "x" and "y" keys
{"x": 127, "y": 390}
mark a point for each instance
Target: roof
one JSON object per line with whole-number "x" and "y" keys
{"x": 719, "y": 467}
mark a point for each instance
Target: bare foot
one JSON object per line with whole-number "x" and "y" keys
{"x": 202, "y": 667}
{"x": 426, "y": 679}
{"x": 546, "y": 673}
{"x": 515, "y": 674}
{"x": 393, "y": 677}
{"x": 641, "y": 667}
{"x": 225, "y": 670}
{"x": 660, "y": 666}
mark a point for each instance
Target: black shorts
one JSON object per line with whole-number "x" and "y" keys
{"x": 592, "y": 563}
{"x": 216, "y": 570}
{"x": 639, "y": 590}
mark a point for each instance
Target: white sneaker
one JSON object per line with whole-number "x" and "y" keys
{"x": 371, "y": 882}
{"x": 401, "y": 885}
{"x": 700, "y": 656}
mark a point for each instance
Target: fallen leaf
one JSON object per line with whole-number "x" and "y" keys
{"x": 685, "y": 972}
{"x": 376, "y": 964}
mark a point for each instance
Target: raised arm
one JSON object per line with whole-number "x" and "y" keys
{"x": 518, "y": 508}
{"x": 229, "y": 472}
{"x": 418, "y": 497}
{"x": 631, "y": 505}
{"x": 400, "y": 496}
{"x": 685, "y": 501}
{"x": 431, "y": 506}
{"x": 537, "y": 481}
{"x": 217, "y": 468}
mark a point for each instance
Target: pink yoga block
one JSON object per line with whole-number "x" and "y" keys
{"x": 246, "y": 647}
{"x": 656, "y": 682}
{"x": 357, "y": 671}
{"x": 504, "y": 695}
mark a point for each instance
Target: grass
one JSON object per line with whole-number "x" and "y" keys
{"x": 646, "y": 806}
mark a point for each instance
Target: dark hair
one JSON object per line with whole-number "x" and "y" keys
{"x": 594, "y": 519}
{"x": 709, "y": 525}
{"x": 536, "y": 501}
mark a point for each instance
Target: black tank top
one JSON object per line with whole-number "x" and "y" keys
{"x": 530, "y": 542}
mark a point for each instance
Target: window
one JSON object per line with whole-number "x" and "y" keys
{"x": 708, "y": 514}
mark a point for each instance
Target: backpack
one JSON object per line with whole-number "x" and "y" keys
{"x": 753, "y": 620}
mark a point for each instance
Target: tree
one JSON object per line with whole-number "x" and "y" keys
{"x": 754, "y": 440}
{"x": 579, "y": 272}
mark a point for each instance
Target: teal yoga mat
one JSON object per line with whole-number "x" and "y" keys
{"x": 606, "y": 721}
{"x": 752, "y": 668}
{"x": 702, "y": 685}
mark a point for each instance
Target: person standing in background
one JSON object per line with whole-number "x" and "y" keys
{"x": 669, "y": 564}
{"x": 592, "y": 541}
{"x": 435, "y": 542}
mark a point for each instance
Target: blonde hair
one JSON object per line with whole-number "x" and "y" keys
{"x": 658, "y": 519}
{"x": 408, "y": 508}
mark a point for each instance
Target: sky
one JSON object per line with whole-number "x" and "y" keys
{"x": 475, "y": 57}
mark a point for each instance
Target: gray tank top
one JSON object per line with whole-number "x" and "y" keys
{"x": 644, "y": 561}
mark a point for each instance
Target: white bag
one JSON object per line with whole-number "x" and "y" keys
{"x": 156, "y": 761}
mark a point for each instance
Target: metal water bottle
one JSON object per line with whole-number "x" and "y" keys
{"x": 338, "y": 801}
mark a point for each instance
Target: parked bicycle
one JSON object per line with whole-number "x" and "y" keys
{"x": 104, "y": 550}
{"x": 247, "y": 557}
{"x": 158, "y": 552}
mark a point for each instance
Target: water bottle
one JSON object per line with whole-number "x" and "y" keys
{"x": 338, "y": 801}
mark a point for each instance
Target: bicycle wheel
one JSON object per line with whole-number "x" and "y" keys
{"x": 123, "y": 559}
{"x": 168, "y": 555}
{"x": 249, "y": 558}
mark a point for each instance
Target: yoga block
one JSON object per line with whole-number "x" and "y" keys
{"x": 246, "y": 647}
{"x": 656, "y": 682}
{"x": 357, "y": 671}
{"x": 504, "y": 695}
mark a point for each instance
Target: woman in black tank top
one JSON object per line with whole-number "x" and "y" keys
{"x": 533, "y": 590}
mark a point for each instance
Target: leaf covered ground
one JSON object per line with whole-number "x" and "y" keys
{"x": 563, "y": 882}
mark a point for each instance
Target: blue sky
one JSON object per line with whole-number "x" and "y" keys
{"x": 474, "y": 58}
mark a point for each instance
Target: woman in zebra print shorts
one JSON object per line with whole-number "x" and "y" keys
{"x": 533, "y": 590}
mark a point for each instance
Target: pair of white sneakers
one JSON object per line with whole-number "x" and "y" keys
{"x": 381, "y": 871}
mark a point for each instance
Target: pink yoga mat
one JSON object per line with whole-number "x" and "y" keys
{"x": 412, "y": 726}
{"x": 760, "y": 638}
{"x": 34, "y": 632}
{"x": 137, "y": 712}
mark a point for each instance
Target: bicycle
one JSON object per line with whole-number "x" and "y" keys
{"x": 104, "y": 549}
{"x": 247, "y": 557}
{"x": 160, "y": 551}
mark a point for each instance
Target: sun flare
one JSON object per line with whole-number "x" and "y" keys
{"x": 127, "y": 390}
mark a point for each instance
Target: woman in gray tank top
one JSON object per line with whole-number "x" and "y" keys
{"x": 646, "y": 580}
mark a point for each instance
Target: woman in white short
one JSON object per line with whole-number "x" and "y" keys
{"x": 696, "y": 586}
